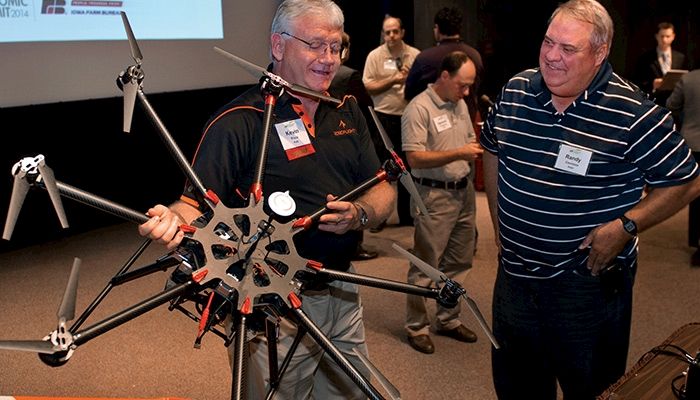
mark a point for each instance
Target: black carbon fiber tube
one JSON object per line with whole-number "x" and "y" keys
{"x": 99, "y": 203}
{"x": 171, "y": 145}
{"x": 365, "y": 280}
{"x": 130, "y": 313}
{"x": 337, "y": 356}
{"x": 239, "y": 368}
{"x": 349, "y": 195}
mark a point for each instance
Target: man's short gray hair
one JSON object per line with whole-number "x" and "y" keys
{"x": 594, "y": 13}
{"x": 290, "y": 10}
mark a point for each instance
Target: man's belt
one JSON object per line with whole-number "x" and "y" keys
{"x": 451, "y": 185}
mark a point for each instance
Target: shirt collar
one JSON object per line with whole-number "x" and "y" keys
{"x": 599, "y": 82}
{"x": 439, "y": 102}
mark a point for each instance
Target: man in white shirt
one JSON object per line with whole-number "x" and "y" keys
{"x": 384, "y": 75}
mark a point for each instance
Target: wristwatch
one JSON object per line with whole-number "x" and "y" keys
{"x": 364, "y": 219}
{"x": 629, "y": 225}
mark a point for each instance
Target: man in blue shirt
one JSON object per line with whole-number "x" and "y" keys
{"x": 570, "y": 147}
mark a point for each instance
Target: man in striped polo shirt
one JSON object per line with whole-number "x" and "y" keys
{"x": 570, "y": 147}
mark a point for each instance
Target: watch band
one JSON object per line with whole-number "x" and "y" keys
{"x": 363, "y": 217}
{"x": 628, "y": 225}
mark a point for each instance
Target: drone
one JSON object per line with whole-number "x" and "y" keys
{"x": 233, "y": 262}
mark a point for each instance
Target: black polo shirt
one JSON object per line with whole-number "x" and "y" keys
{"x": 343, "y": 157}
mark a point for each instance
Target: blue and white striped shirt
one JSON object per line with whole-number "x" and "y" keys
{"x": 544, "y": 213}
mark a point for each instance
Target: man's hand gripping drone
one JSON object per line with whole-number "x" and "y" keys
{"x": 241, "y": 262}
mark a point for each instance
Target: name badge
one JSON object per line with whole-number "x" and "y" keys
{"x": 390, "y": 64}
{"x": 442, "y": 123}
{"x": 295, "y": 140}
{"x": 572, "y": 159}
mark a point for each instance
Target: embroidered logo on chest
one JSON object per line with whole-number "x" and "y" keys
{"x": 343, "y": 130}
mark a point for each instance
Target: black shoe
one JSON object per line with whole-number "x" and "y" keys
{"x": 378, "y": 228}
{"x": 695, "y": 259}
{"x": 422, "y": 343}
{"x": 363, "y": 254}
{"x": 461, "y": 333}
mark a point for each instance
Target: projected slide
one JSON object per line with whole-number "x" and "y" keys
{"x": 70, "y": 20}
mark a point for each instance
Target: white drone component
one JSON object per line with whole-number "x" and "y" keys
{"x": 282, "y": 204}
{"x": 28, "y": 165}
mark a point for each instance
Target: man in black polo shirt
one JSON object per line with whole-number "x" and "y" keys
{"x": 332, "y": 154}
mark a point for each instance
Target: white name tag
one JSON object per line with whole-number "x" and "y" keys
{"x": 572, "y": 159}
{"x": 295, "y": 140}
{"x": 390, "y": 64}
{"x": 442, "y": 122}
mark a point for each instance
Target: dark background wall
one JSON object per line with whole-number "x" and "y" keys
{"x": 508, "y": 32}
{"x": 83, "y": 142}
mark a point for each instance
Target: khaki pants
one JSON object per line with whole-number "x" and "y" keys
{"x": 312, "y": 374}
{"x": 445, "y": 240}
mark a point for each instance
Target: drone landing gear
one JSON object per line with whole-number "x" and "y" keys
{"x": 305, "y": 325}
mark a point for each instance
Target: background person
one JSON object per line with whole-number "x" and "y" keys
{"x": 684, "y": 102}
{"x": 655, "y": 63}
{"x": 439, "y": 142}
{"x": 385, "y": 71}
{"x": 425, "y": 69}
{"x": 348, "y": 82}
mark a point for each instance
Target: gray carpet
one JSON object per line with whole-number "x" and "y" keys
{"x": 153, "y": 356}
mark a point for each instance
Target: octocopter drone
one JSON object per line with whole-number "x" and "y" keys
{"x": 234, "y": 262}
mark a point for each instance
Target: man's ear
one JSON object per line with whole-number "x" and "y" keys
{"x": 444, "y": 75}
{"x": 277, "y": 46}
{"x": 600, "y": 54}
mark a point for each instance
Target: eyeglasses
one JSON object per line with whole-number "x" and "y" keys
{"x": 317, "y": 46}
{"x": 394, "y": 31}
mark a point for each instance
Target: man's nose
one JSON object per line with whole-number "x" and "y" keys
{"x": 553, "y": 53}
{"x": 327, "y": 56}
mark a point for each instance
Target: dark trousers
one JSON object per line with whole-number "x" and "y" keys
{"x": 560, "y": 329}
{"x": 694, "y": 217}
{"x": 392, "y": 126}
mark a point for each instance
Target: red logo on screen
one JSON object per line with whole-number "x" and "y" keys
{"x": 53, "y": 7}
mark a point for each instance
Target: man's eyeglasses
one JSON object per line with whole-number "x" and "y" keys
{"x": 394, "y": 31}
{"x": 317, "y": 46}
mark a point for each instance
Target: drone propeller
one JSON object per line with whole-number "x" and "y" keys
{"x": 20, "y": 187}
{"x": 258, "y": 71}
{"x": 22, "y": 171}
{"x": 135, "y": 51}
{"x": 66, "y": 311}
{"x": 442, "y": 279}
{"x": 406, "y": 179}
{"x": 130, "y": 79}
{"x": 46, "y": 175}
{"x": 61, "y": 339}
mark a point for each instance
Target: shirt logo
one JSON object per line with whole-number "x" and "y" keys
{"x": 342, "y": 131}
